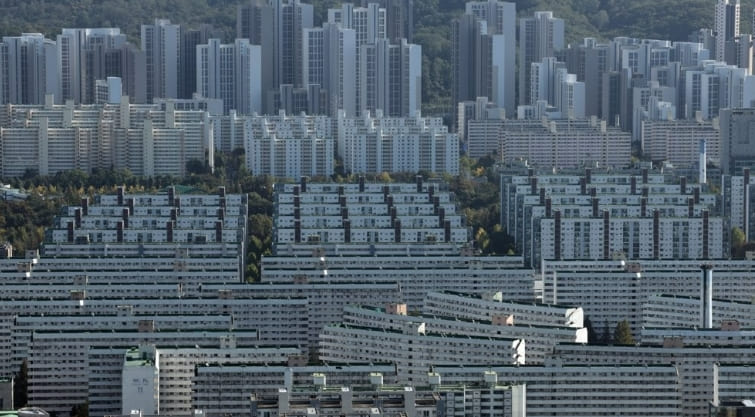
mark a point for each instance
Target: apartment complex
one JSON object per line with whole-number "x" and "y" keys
{"x": 540, "y": 36}
{"x": 348, "y": 343}
{"x": 605, "y": 216}
{"x": 485, "y": 398}
{"x": 375, "y": 144}
{"x": 704, "y": 374}
{"x": 678, "y": 142}
{"x": 226, "y": 389}
{"x": 145, "y": 139}
{"x": 547, "y": 144}
{"x": 539, "y": 339}
{"x": 584, "y": 390}
{"x": 613, "y": 291}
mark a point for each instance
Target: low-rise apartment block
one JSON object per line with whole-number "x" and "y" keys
{"x": 546, "y": 144}
{"x": 684, "y": 311}
{"x": 414, "y": 349}
{"x": 613, "y": 291}
{"x": 539, "y": 339}
{"x": 599, "y": 390}
{"x": 226, "y": 389}
{"x": 485, "y": 398}
{"x": 698, "y": 366}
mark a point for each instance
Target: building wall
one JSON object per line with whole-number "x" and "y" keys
{"x": 700, "y": 378}
{"x": 679, "y": 141}
{"x": 385, "y": 144}
{"x": 568, "y": 390}
{"x": 619, "y": 292}
{"x": 344, "y": 343}
{"x": 142, "y": 138}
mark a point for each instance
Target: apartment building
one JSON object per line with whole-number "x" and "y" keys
{"x": 678, "y": 141}
{"x": 226, "y": 389}
{"x": 663, "y": 310}
{"x": 699, "y": 367}
{"x": 584, "y": 390}
{"x": 366, "y": 213}
{"x": 551, "y": 143}
{"x": 485, "y": 398}
{"x": 471, "y": 306}
{"x": 539, "y": 339}
{"x": 231, "y": 73}
{"x": 173, "y": 366}
{"x": 613, "y": 291}
{"x": 372, "y": 144}
{"x": 418, "y": 272}
{"x": 604, "y": 216}
{"x": 144, "y": 139}
{"x": 325, "y": 301}
{"x": 58, "y": 364}
{"x": 415, "y": 350}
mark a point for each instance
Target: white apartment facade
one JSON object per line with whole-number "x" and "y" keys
{"x": 232, "y": 73}
{"x": 613, "y": 291}
{"x": 663, "y": 310}
{"x": 486, "y": 398}
{"x": 699, "y": 379}
{"x": 25, "y": 63}
{"x": 375, "y": 144}
{"x": 599, "y": 390}
{"x": 678, "y": 141}
{"x": 225, "y": 389}
{"x": 604, "y": 215}
{"x": 288, "y": 146}
{"x": 58, "y": 365}
{"x": 487, "y": 306}
{"x": 413, "y": 350}
{"x": 161, "y": 43}
{"x": 325, "y": 301}
{"x": 539, "y": 340}
{"x": 370, "y": 213}
{"x": 142, "y": 138}
{"x": 330, "y": 61}
{"x": 175, "y": 369}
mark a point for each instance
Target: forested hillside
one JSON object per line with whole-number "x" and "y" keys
{"x": 660, "y": 19}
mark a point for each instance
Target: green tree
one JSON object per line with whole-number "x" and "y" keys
{"x": 738, "y": 242}
{"x": 482, "y": 239}
{"x": 196, "y": 167}
{"x": 737, "y": 237}
{"x": 622, "y": 335}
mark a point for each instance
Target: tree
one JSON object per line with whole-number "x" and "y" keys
{"x": 20, "y": 384}
{"x": 500, "y": 241}
{"x": 260, "y": 225}
{"x": 738, "y": 241}
{"x": 482, "y": 239}
{"x": 592, "y": 337}
{"x": 623, "y": 334}
{"x": 384, "y": 177}
{"x": 80, "y": 410}
{"x": 196, "y": 167}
